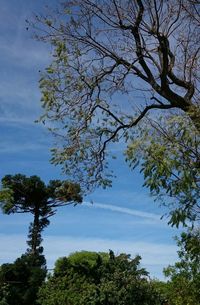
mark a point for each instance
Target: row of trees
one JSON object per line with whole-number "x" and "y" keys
{"x": 86, "y": 278}
{"x": 105, "y": 279}
{"x": 102, "y": 279}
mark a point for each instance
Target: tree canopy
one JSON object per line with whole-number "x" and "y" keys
{"x": 184, "y": 283}
{"x": 21, "y": 280}
{"x": 98, "y": 278}
{"x": 168, "y": 152}
{"x": 115, "y": 62}
{"x": 22, "y": 194}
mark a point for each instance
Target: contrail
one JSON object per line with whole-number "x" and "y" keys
{"x": 123, "y": 210}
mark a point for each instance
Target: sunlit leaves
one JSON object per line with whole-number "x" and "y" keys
{"x": 184, "y": 275}
{"x": 168, "y": 153}
{"x": 7, "y": 200}
{"x": 98, "y": 278}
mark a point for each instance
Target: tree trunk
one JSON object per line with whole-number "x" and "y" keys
{"x": 34, "y": 232}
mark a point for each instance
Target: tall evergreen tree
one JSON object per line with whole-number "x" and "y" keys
{"x": 21, "y": 194}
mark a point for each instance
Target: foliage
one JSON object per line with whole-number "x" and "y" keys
{"x": 162, "y": 289}
{"x": 113, "y": 63}
{"x": 21, "y": 280}
{"x": 184, "y": 284}
{"x": 101, "y": 279}
{"x": 168, "y": 153}
{"x": 21, "y": 194}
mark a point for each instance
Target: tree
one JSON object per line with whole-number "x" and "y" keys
{"x": 21, "y": 194}
{"x": 21, "y": 280}
{"x": 114, "y": 62}
{"x": 98, "y": 279}
{"x": 184, "y": 283}
{"x": 168, "y": 152}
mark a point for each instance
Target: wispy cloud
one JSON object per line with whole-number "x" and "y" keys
{"x": 65, "y": 245}
{"x": 21, "y": 57}
{"x": 25, "y": 57}
{"x": 20, "y": 122}
{"x": 20, "y": 88}
{"x": 154, "y": 255}
{"x": 23, "y": 147}
{"x": 17, "y": 45}
{"x": 11, "y": 247}
{"x": 10, "y": 222}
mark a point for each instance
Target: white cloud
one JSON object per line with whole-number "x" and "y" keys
{"x": 14, "y": 222}
{"x": 149, "y": 251}
{"x": 154, "y": 255}
{"x": 11, "y": 247}
{"x": 7, "y": 147}
{"x": 12, "y": 120}
{"x": 17, "y": 45}
{"x": 26, "y": 57}
{"x": 21, "y": 89}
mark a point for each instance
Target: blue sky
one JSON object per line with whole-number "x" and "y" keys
{"x": 123, "y": 218}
